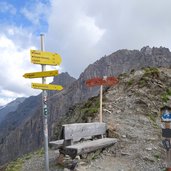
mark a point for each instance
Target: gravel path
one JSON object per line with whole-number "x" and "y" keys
{"x": 36, "y": 162}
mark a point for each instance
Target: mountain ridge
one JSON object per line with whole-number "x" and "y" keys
{"x": 75, "y": 92}
{"x": 10, "y": 107}
{"x": 131, "y": 110}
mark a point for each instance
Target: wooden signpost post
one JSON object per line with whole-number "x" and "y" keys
{"x": 44, "y": 58}
{"x": 105, "y": 81}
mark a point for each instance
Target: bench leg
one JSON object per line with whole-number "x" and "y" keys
{"x": 70, "y": 164}
{"x": 60, "y": 158}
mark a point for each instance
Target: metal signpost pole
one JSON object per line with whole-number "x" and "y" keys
{"x": 167, "y": 125}
{"x": 44, "y": 105}
{"x": 44, "y": 58}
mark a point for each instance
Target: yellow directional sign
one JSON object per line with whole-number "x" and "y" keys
{"x": 46, "y": 58}
{"x": 46, "y": 86}
{"x": 41, "y": 74}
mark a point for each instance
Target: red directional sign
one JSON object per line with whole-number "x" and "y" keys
{"x": 108, "y": 81}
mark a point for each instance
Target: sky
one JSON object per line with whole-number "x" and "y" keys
{"x": 81, "y": 31}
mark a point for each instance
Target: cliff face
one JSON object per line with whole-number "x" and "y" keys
{"x": 127, "y": 60}
{"x": 122, "y": 61}
{"x": 10, "y": 107}
{"x": 26, "y": 133}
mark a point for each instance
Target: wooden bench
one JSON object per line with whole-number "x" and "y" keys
{"x": 81, "y": 138}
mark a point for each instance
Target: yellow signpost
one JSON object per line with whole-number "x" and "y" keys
{"x": 45, "y": 58}
{"x": 46, "y": 86}
{"x": 41, "y": 74}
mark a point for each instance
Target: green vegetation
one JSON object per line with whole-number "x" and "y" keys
{"x": 40, "y": 152}
{"x": 89, "y": 109}
{"x": 168, "y": 91}
{"x": 157, "y": 156}
{"x": 91, "y": 156}
{"x": 130, "y": 82}
{"x": 142, "y": 82}
{"x": 152, "y": 117}
{"x": 17, "y": 164}
{"x": 148, "y": 74}
{"x": 165, "y": 96}
{"x": 89, "y": 112}
{"x": 154, "y": 72}
{"x": 93, "y": 102}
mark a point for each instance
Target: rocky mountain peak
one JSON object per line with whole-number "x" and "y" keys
{"x": 146, "y": 50}
{"x": 63, "y": 79}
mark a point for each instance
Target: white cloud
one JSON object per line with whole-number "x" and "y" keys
{"x": 87, "y": 24}
{"x": 7, "y": 7}
{"x": 84, "y": 31}
{"x": 4, "y": 101}
{"x": 81, "y": 32}
{"x": 15, "y": 48}
{"x": 73, "y": 34}
{"x": 14, "y": 62}
{"x": 36, "y": 13}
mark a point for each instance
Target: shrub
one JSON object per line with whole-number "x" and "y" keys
{"x": 154, "y": 72}
{"x": 130, "y": 82}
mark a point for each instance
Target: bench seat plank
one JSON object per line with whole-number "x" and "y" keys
{"x": 89, "y": 146}
{"x": 57, "y": 143}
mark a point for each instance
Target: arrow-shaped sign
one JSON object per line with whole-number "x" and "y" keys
{"x": 45, "y": 58}
{"x": 41, "y": 74}
{"x": 109, "y": 81}
{"x": 46, "y": 86}
{"x": 166, "y": 117}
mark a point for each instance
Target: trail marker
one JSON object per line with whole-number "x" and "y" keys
{"x": 108, "y": 81}
{"x": 46, "y": 86}
{"x": 105, "y": 81}
{"x": 166, "y": 133}
{"x": 166, "y": 117}
{"x": 45, "y": 58}
{"x": 41, "y": 74}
